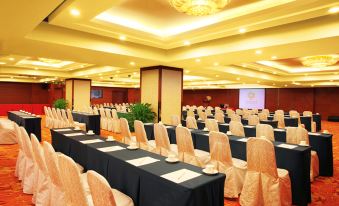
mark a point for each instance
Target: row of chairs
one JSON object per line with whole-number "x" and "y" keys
{"x": 294, "y": 135}
{"x": 109, "y": 120}
{"x": 57, "y": 118}
{"x": 240, "y": 175}
{"x": 55, "y": 179}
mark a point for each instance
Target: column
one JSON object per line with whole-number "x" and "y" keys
{"x": 162, "y": 87}
{"x": 78, "y": 93}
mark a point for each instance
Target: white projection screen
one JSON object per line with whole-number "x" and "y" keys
{"x": 252, "y": 98}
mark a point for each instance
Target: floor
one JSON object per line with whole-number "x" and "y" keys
{"x": 325, "y": 190}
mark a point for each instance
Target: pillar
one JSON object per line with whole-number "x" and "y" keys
{"x": 162, "y": 87}
{"x": 78, "y": 93}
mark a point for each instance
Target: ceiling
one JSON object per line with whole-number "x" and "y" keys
{"x": 251, "y": 43}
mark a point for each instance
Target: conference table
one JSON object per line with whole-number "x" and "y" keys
{"x": 144, "y": 176}
{"x": 31, "y": 123}
{"x": 320, "y": 142}
{"x": 92, "y": 121}
{"x": 306, "y": 120}
{"x": 294, "y": 158}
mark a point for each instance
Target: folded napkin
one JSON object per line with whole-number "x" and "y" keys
{"x": 111, "y": 149}
{"x": 180, "y": 176}
{"x": 287, "y": 146}
{"x": 91, "y": 141}
{"x": 74, "y": 134}
{"x": 142, "y": 161}
{"x": 62, "y": 130}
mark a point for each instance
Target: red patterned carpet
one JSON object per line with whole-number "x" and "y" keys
{"x": 325, "y": 190}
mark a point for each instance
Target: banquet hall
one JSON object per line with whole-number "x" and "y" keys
{"x": 169, "y": 102}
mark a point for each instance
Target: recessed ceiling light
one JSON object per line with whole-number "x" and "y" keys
{"x": 34, "y": 77}
{"x": 12, "y": 77}
{"x": 274, "y": 72}
{"x": 187, "y": 71}
{"x": 36, "y": 68}
{"x": 100, "y": 74}
{"x": 197, "y": 60}
{"x": 273, "y": 84}
{"x": 11, "y": 59}
{"x": 187, "y": 43}
{"x": 242, "y": 30}
{"x": 122, "y": 37}
{"x": 116, "y": 75}
{"x": 118, "y": 71}
{"x": 274, "y": 57}
{"x": 135, "y": 73}
{"x": 75, "y": 12}
{"x": 244, "y": 65}
{"x": 312, "y": 85}
{"x": 101, "y": 77}
{"x": 82, "y": 66}
{"x": 132, "y": 63}
{"x": 238, "y": 78}
{"x": 305, "y": 75}
{"x": 86, "y": 76}
{"x": 258, "y": 81}
{"x": 285, "y": 85}
{"x": 331, "y": 80}
{"x": 2, "y": 62}
{"x": 216, "y": 63}
{"x": 70, "y": 69}
{"x": 261, "y": 69}
{"x": 216, "y": 75}
{"x": 333, "y": 10}
{"x": 258, "y": 52}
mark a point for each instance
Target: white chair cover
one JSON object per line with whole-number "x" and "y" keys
{"x": 116, "y": 122}
{"x": 313, "y": 124}
{"x": 281, "y": 120}
{"x": 28, "y": 175}
{"x": 125, "y": 132}
{"x": 262, "y": 116}
{"x": 212, "y": 125}
{"x": 141, "y": 136}
{"x": 235, "y": 117}
{"x": 20, "y": 161}
{"x": 253, "y": 120}
{"x": 103, "y": 118}
{"x": 7, "y": 132}
{"x": 220, "y": 117}
{"x": 175, "y": 120}
{"x": 264, "y": 184}
{"x": 163, "y": 146}
{"x": 191, "y": 123}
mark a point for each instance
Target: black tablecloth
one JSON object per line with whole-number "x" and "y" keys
{"x": 32, "y": 124}
{"x": 289, "y": 121}
{"x": 316, "y": 119}
{"x": 143, "y": 184}
{"x": 92, "y": 121}
{"x": 296, "y": 161}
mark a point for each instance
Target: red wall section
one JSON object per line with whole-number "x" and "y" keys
{"x": 326, "y": 101}
{"x": 134, "y": 95}
{"x": 111, "y": 94}
{"x": 219, "y": 96}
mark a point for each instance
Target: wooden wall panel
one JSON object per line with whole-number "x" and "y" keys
{"x": 111, "y": 94}
{"x": 133, "y": 95}
{"x": 326, "y": 101}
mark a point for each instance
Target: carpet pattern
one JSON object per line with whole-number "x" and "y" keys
{"x": 325, "y": 190}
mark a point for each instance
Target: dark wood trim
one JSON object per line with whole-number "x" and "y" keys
{"x": 78, "y": 79}
{"x": 159, "y": 93}
{"x": 182, "y": 92}
{"x": 72, "y": 94}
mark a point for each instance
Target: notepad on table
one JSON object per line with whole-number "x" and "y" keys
{"x": 281, "y": 130}
{"x": 180, "y": 176}
{"x": 91, "y": 141}
{"x": 243, "y": 139}
{"x": 74, "y": 134}
{"x": 287, "y": 146}
{"x": 313, "y": 133}
{"x": 142, "y": 161}
{"x": 62, "y": 130}
{"x": 111, "y": 149}
{"x": 249, "y": 126}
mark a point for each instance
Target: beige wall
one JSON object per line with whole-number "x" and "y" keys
{"x": 69, "y": 92}
{"x": 149, "y": 89}
{"x": 82, "y": 94}
{"x": 171, "y": 93}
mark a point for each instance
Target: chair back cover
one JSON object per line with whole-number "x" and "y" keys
{"x": 229, "y": 112}
{"x": 212, "y": 125}
{"x": 161, "y": 139}
{"x": 262, "y": 116}
{"x": 220, "y": 117}
{"x": 125, "y": 132}
{"x": 27, "y": 145}
{"x": 296, "y": 134}
{"x": 191, "y": 123}
{"x": 281, "y": 120}
{"x": 190, "y": 113}
{"x": 72, "y": 182}
{"x": 265, "y": 130}
{"x": 108, "y": 113}
{"x": 253, "y": 120}
{"x": 51, "y": 160}
{"x": 185, "y": 146}
{"x": 101, "y": 191}
{"x": 38, "y": 156}
{"x": 220, "y": 150}
{"x": 202, "y": 116}
{"x": 140, "y": 132}
{"x": 237, "y": 128}
{"x": 235, "y": 117}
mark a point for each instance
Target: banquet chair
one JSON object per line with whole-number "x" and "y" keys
{"x": 220, "y": 117}
{"x": 109, "y": 119}
{"x": 262, "y": 116}
{"x": 191, "y": 123}
{"x": 255, "y": 111}
{"x": 73, "y": 184}
{"x": 229, "y": 112}
{"x": 294, "y": 135}
{"x": 264, "y": 184}
{"x": 62, "y": 122}
{"x": 209, "y": 111}
{"x": 163, "y": 146}
{"x": 56, "y": 120}
{"x": 64, "y": 118}
{"x": 253, "y": 119}
{"x": 103, "y": 118}
{"x": 73, "y": 123}
{"x": 125, "y": 132}
{"x": 186, "y": 151}
{"x": 212, "y": 125}
{"x": 190, "y": 113}
{"x": 103, "y": 194}
{"x": 7, "y": 132}
{"x": 95, "y": 110}
{"x": 47, "y": 117}
{"x": 141, "y": 136}
{"x": 28, "y": 173}
{"x": 41, "y": 194}
{"x": 116, "y": 121}
{"x": 265, "y": 131}
{"x": 313, "y": 124}
{"x": 235, "y": 117}
{"x": 175, "y": 120}
{"x": 281, "y": 120}
{"x": 21, "y": 159}
{"x": 295, "y": 114}
{"x": 239, "y": 111}
{"x": 246, "y": 114}
{"x": 237, "y": 128}
{"x": 221, "y": 158}
{"x": 266, "y": 111}
{"x": 202, "y": 116}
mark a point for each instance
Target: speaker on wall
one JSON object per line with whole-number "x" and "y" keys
{"x": 44, "y": 86}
